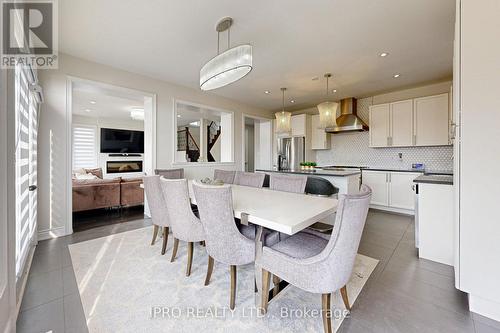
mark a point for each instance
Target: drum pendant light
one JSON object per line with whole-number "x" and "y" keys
{"x": 327, "y": 110}
{"x": 283, "y": 119}
{"x": 228, "y": 66}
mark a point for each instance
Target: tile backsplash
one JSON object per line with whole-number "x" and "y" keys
{"x": 353, "y": 149}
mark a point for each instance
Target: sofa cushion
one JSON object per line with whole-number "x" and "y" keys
{"x": 96, "y": 181}
{"x": 131, "y": 180}
{"x": 95, "y": 171}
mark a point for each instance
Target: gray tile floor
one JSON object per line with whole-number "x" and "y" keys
{"x": 404, "y": 294}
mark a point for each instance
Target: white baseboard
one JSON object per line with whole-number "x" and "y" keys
{"x": 51, "y": 233}
{"x": 484, "y": 307}
{"x": 394, "y": 210}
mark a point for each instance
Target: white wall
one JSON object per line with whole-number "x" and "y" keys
{"x": 54, "y": 140}
{"x": 479, "y": 100}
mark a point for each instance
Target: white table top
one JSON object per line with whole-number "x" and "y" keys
{"x": 276, "y": 210}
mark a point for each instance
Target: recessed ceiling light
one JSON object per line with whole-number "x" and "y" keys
{"x": 267, "y": 92}
{"x": 87, "y": 110}
{"x": 292, "y": 101}
{"x": 334, "y": 90}
{"x": 384, "y": 54}
{"x": 178, "y": 116}
{"x": 396, "y": 76}
{"x": 92, "y": 102}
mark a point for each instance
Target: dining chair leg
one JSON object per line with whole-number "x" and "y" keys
{"x": 343, "y": 291}
{"x": 233, "y": 287}
{"x": 190, "y": 258}
{"x": 276, "y": 282}
{"x": 155, "y": 234}
{"x": 174, "y": 250}
{"x": 326, "y": 313}
{"x": 165, "y": 239}
{"x": 265, "y": 290}
{"x": 209, "y": 270}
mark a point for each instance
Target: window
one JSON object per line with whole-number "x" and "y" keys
{"x": 204, "y": 134}
{"x": 26, "y": 125}
{"x": 84, "y": 146}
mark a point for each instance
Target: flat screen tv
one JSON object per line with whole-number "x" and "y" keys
{"x": 122, "y": 141}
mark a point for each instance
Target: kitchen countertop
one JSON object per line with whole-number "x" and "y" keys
{"x": 434, "y": 179}
{"x": 426, "y": 172}
{"x": 318, "y": 172}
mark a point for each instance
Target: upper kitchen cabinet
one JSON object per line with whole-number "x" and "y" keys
{"x": 319, "y": 138}
{"x": 415, "y": 122}
{"x": 401, "y": 134}
{"x": 299, "y": 124}
{"x": 379, "y": 125}
{"x": 431, "y": 120}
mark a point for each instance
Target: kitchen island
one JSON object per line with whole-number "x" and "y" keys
{"x": 346, "y": 180}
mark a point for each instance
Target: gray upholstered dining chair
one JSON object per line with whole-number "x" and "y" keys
{"x": 170, "y": 173}
{"x": 316, "y": 262}
{"x": 185, "y": 225}
{"x": 253, "y": 179}
{"x": 287, "y": 183}
{"x": 157, "y": 208}
{"x": 224, "y": 243}
{"x": 227, "y": 176}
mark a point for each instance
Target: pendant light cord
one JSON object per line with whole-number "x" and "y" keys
{"x": 228, "y": 40}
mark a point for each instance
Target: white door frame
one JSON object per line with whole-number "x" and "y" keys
{"x": 149, "y": 130}
{"x": 243, "y": 157}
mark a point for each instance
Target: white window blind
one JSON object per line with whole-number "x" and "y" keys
{"x": 84, "y": 146}
{"x": 26, "y": 122}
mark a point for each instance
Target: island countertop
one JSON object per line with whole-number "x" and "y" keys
{"x": 317, "y": 172}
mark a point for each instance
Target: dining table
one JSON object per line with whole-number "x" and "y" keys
{"x": 284, "y": 212}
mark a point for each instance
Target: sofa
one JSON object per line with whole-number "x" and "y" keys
{"x": 98, "y": 193}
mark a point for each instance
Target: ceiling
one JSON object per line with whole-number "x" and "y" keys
{"x": 190, "y": 113}
{"x": 108, "y": 103}
{"x": 293, "y": 41}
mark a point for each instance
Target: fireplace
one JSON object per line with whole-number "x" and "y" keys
{"x": 123, "y": 166}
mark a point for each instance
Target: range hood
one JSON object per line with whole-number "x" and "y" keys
{"x": 348, "y": 120}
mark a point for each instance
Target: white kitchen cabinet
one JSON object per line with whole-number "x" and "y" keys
{"x": 391, "y": 190}
{"x": 436, "y": 227}
{"x": 378, "y": 182}
{"x": 299, "y": 125}
{"x": 319, "y": 138}
{"x": 421, "y": 121}
{"x": 431, "y": 120}
{"x": 401, "y": 194}
{"x": 401, "y": 124}
{"x": 379, "y": 125}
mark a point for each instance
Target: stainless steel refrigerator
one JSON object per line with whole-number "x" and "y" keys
{"x": 291, "y": 152}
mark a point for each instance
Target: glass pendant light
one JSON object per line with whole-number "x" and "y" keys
{"x": 283, "y": 119}
{"x": 327, "y": 110}
{"x": 228, "y": 66}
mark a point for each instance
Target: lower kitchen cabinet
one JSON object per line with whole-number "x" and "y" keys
{"x": 391, "y": 190}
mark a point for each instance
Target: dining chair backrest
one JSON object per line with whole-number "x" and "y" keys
{"x": 288, "y": 183}
{"x": 227, "y": 176}
{"x": 182, "y": 218}
{"x": 170, "y": 173}
{"x": 223, "y": 240}
{"x": 339, "y": 254}
{"x": 253, "y": 179}
{"x": 156, "y": 201}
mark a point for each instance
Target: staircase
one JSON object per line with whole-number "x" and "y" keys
{"x": 213, "y": 133}
{"x": 186, "y": 142}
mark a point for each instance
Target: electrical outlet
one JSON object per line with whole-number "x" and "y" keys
{"x": 400, "y": 155}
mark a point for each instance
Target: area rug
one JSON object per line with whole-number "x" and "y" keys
{"x": 127, "y": 286}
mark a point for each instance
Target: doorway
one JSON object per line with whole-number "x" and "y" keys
{"x": 112, "y": 147}
{"x": 256, "y": 143}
